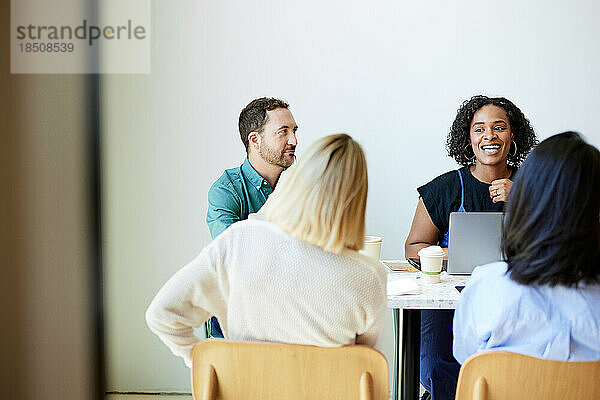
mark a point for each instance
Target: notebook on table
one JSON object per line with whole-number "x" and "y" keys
{"x": 399, "y": 265}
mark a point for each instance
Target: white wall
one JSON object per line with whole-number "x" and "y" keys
{"x": 392, "y": 74}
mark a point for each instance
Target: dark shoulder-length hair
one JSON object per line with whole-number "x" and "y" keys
{"x": 551, "y": 230}
{"x": 459, "y": 136}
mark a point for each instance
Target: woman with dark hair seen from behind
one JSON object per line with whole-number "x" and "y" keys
{"x": 490, "y": 137}
{"x": 543, "y": 301}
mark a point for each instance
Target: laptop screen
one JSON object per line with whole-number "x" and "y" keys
{"x": 474, "y": 239}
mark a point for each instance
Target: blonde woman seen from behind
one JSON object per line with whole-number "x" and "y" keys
{"x": 322, "y": 200}
{"x": 293, "y": 277}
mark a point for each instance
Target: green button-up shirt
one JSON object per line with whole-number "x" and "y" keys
{"x": 236, "y": 194}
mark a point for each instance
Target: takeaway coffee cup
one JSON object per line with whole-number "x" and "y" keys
{"x": 431, "y": 263}
{"x": 372, "y": 247}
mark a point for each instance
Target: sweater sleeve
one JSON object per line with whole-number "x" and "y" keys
{"x": 375, "y": 316}
{"x": 370, "y": 336}
{"x": 189, "y": 298}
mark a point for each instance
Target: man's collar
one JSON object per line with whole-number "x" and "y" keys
{"x": 250, "y": 173}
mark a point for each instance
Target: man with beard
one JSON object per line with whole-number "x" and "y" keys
{"x": 268, "y": 131}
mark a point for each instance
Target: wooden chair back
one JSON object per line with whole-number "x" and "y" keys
{"x": 498, "y": 375}
{"x": 231, "y": 370}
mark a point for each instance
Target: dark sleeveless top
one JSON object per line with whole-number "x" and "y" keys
{"x": 456, "y": 191}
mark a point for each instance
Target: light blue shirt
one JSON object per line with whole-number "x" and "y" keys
{"x": 556, "y": 323}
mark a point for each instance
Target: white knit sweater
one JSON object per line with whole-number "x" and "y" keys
{"x": 263, "y": 284}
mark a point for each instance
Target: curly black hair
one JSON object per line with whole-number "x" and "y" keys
{"x": 458, "y": 137}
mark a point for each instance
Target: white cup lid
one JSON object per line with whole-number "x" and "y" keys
{"x": 431, "y": 251}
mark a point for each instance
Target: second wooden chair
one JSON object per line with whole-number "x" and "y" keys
{"x": 501, "y": 375}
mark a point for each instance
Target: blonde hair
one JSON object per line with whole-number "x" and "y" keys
{"x": 322, "y": 198}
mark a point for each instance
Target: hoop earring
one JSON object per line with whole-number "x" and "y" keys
{"x": 465, "y": 153}
{"x": 515, "y": 152}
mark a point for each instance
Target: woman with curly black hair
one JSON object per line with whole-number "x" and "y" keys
{"x": 490, "y": 137}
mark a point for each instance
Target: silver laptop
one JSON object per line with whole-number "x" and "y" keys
{"x": 474, "y": 239}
